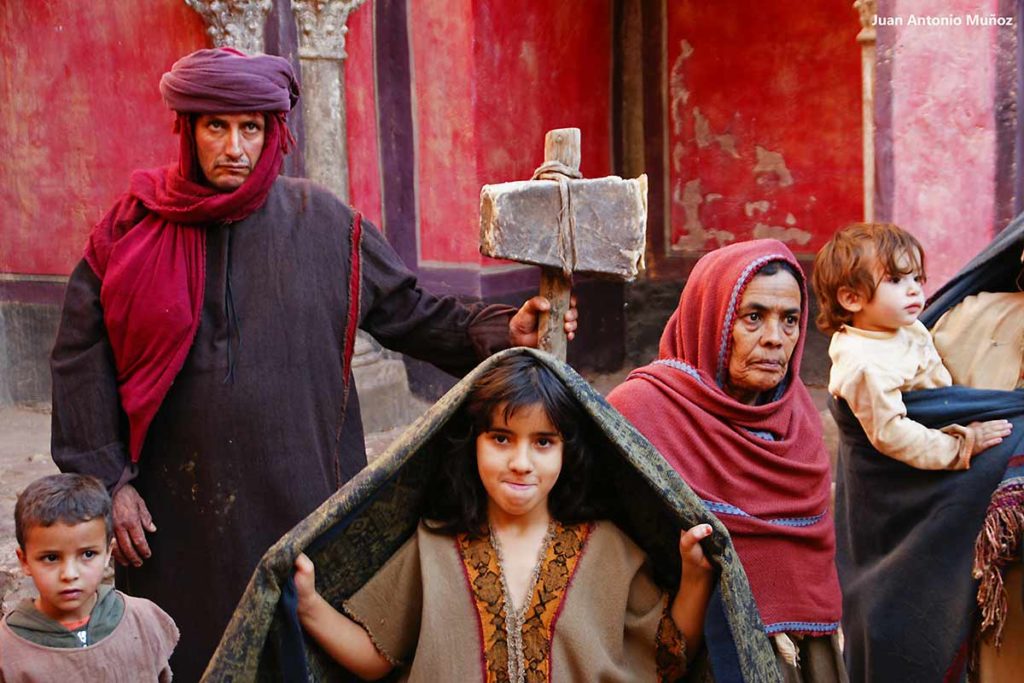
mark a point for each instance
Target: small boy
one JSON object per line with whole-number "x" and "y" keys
{"x": 869, "y": 283}
{"x": 77, "y": 629}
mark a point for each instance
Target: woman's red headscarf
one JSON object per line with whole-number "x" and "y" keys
{"x": 762, "y": 469}
{"x": 149, "y": 251}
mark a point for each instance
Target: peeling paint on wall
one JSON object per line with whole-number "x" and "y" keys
{"x": 678, "y": 154}
{"x": 766, "y": 121}
{"x": 768, "y": 163}
{"x": 705, "y": 137}
{"x": 678, "y": 93}
{"x": 777, "y": 232}
{"x": 759, "y": 206}
{"x": 697, "y": 235}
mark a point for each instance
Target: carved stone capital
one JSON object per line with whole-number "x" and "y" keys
{"x": 867, "y": 9}
{"x": 234, "y": 23}
{"x": 321, "y": 25}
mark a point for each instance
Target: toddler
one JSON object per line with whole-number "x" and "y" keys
{"x": 77, "y": 629}
{"x": 869, "y": 283}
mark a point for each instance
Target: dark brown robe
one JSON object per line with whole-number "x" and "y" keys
{"x": 256, "y": 430}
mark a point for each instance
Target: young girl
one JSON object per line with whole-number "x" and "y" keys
{"x": 869, "y": 281}
{"x": 508, "y": 577}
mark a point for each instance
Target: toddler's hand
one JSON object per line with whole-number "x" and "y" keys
{"x": 696, "y": 567}
{"x": 989, "y": 434}
{"x": 305, "y": 579}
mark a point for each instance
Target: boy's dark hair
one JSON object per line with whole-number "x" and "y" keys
{"x": 458, "y": 501}
{"x": 66, "y": 498}
{"x": 849, "y": 260}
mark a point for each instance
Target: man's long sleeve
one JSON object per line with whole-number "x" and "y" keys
{"x": 440, "y": 330}
{"x": 88, "y": 426}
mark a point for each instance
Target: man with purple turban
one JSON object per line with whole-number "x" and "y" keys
{"x": 202, "y": 367}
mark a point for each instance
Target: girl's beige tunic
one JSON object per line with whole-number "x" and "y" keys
{"x": 439, "y": 608}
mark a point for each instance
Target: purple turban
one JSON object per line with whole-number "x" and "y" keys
{"x": 225, "y": 80}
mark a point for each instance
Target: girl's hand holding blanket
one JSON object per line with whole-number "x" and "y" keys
{"x": 695, "y": 583}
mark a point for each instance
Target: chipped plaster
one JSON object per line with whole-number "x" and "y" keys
{"x": 769, "y": 162}
{"x": 778, "y": 232}
{"x": 760, "y": 206}
{"x": 705, "y": 137}
{"x": 696, "y": 235}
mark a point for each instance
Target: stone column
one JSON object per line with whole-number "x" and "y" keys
{"x": 381, "y": 381}
{"x": 868, "y": 9}
{"x": 234, "y": 23}
{"x": 322, "y": 55}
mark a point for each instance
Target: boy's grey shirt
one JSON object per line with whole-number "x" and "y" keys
{"x": 29, "y": 623}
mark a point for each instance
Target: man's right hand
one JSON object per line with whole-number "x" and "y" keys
{"x": 131, "y": 522}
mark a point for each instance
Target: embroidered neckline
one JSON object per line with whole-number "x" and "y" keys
{"x": 531, "y": 588}
{"x": 504, "y": 629}
{"x": 514, "y": 617}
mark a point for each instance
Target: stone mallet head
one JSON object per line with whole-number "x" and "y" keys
{"x": 565, "y": 224}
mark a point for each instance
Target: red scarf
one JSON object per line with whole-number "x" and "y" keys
{"x": 149, "y": 251}
{"x": 772, "y": 495}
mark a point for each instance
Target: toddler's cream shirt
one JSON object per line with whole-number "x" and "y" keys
{"x": 871, "y": 369}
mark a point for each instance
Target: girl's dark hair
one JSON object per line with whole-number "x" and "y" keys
{"x": 457, "y": 502}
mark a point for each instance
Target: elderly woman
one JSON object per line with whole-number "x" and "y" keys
{"x": 725, "y": 406}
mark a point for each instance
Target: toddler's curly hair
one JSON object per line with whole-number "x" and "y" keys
{"x": 851, "y": 259}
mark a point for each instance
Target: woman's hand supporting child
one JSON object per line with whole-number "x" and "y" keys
{"x": 691, "y": 601}
{"x": 342, "y": 639}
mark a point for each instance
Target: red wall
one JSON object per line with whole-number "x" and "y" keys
{"x": 763, "y": 122}
{"x": 508, "y": 72}
{"x": 442, "y": 83}
{"x": 81, "y": 111}
{"x": 943, "y": 133}
{"x": 361, "y": 115}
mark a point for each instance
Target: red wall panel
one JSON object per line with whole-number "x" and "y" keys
{"x": 763, "y": 122}
{"x": 490, "y": 79}
{"x": 441, "y": 33}
{"x": 944, "y": 132}
{"x": 81, "y": 111}
{"x": 361, "y": 113}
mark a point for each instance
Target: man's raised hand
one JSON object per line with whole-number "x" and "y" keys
{"x": 522, "y": 328}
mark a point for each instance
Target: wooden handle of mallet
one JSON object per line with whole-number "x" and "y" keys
{"x": 556, "y": 288}
{"x": 561, "y": 144}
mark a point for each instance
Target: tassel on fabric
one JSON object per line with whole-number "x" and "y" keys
{"x": 998, "y": 545}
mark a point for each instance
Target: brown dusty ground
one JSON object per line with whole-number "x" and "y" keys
{"x": 25, "y": 456}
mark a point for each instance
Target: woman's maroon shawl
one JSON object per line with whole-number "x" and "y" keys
{"x": 149, "y": 251}
{"x": 762, "y": 469}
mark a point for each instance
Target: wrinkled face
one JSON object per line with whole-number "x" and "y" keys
{"x": 764, "y": 335}
{"x": 66, "y": 562}
{"x": 897, "y": 302}
{"x": 228, "y": 147}
{"x": 519, "y": 461}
